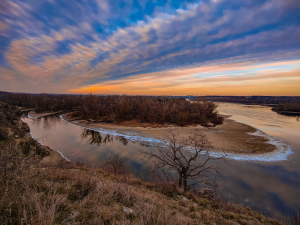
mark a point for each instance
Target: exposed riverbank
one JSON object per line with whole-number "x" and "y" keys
{"x": 49, "y": 190}
{"x": 231, "y": 137}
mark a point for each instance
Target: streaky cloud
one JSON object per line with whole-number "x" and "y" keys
{"x": 58, "y": 47}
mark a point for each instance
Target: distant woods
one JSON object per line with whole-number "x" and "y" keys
{"x": 259, "y": 100}
{"x": 286, "y": 105}
{"x": 42, "y": 102}
{"x": 117, "y": 109}
{"x": 286, "y": 108}
{"x": 154, "y": 110}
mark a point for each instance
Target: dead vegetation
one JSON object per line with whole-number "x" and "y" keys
{"x": 145, "y": 110}
{"x": 37, "y": 190}
{"x": 63, "y": 192}
{"x": 10, "y": 124}
{"x": 286, "y": 108}
{"x": 189, "y": 157}
{"x": 128, "y": 110}
{"x": 70, "y": 193}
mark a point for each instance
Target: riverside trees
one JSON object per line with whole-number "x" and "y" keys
{"x": 145, "y": 109}
{"x": 141, "y": 109}
{"x": 189, "y": 157}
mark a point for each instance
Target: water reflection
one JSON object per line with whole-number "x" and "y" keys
{"x": 122, "y": 139}
{"x": 266, "y": 186}
{"x": 95, "y": 137}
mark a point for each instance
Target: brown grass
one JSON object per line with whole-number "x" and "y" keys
{"x": 70, "y": 193}
{"x": 39, "y": 188}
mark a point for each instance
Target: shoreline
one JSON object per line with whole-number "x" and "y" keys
{"x": 49, "y": 148}
{"x": 51, "y": 163}
{"x": 34, "y": 115}
{"x": 286, "y": 113}
{"x": 241, "y": 141}
{"x": 39, "y": 115}
{"x": 41, "y": 142}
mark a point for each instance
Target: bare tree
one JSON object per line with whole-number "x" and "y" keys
{"x": 189, "y": 157}
{"x": 116, "y": 164}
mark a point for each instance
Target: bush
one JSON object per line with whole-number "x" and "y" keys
{"x": 217, "y": 120}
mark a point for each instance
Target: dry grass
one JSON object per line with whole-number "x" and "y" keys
{"x": 70, "y": 193}
{"x": 37, "y": 187}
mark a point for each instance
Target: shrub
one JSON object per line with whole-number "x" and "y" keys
{"x": 217, "y": 120}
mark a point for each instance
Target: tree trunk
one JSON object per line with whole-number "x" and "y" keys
{"x": 184, "y": 182}
{"x": 180, "y": 181}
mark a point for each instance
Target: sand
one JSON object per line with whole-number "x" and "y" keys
{"x": 231, "y": 136}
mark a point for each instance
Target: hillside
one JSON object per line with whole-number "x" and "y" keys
{"x": 40, "y": 187}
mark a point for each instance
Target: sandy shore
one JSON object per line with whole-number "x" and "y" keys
{"x": 231, "y": 137}
{"x": 34, "y": 115}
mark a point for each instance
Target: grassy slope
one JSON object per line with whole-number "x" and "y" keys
{"x": 39, "y": 187}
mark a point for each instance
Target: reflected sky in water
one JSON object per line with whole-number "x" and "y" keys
{"x": 266, "y": 186}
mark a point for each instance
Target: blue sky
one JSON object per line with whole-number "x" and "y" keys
{"x": 81, "y": 46}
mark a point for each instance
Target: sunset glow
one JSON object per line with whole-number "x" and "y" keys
{"x": 151, "y": 47}
{"x": 228, "y": 79}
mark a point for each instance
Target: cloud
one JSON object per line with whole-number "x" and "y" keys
{"x": 52, "y": 43}
{"x": 229, "y": 78}
{"x": 3, "y": 26}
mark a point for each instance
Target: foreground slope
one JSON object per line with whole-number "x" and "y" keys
{"x": 40, "y": 187}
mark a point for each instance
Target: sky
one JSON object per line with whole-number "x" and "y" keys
{"x": 150, "y": 47}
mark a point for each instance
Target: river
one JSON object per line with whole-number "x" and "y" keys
{"x": 270, "y": 187}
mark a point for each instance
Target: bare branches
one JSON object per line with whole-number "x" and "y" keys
{"x": 145, "y": 109}
{"x": 189, "y": 157}
{"x": 116, "y": 164}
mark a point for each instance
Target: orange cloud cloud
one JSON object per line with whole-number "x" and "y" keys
{"x": 186, "y": 81}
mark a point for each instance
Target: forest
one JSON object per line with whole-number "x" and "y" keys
{"x": 42, "y": 102}
{"x": 144, "y": 109}
{"x": 258, "y": 100}
{"x": 116, "y": 109}
{"x": 287, "y": 107}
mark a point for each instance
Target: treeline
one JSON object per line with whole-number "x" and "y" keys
{"x": 143, "y": 109}
{"x": 42, "y": 102}
{"x": 260, "y": 100}
{"x": 287, "y": 107}
{"x": 159, "y": 110}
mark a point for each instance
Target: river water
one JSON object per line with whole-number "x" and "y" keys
{"x": 270, "y": 187}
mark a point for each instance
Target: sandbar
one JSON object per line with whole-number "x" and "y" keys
{"x": 230, "y": 137}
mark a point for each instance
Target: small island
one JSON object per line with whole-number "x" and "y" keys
{"x": 149, "y": 117}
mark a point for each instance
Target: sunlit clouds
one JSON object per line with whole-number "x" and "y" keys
{"x": 151, "y": 48}
{"x": 228, "y": 79}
